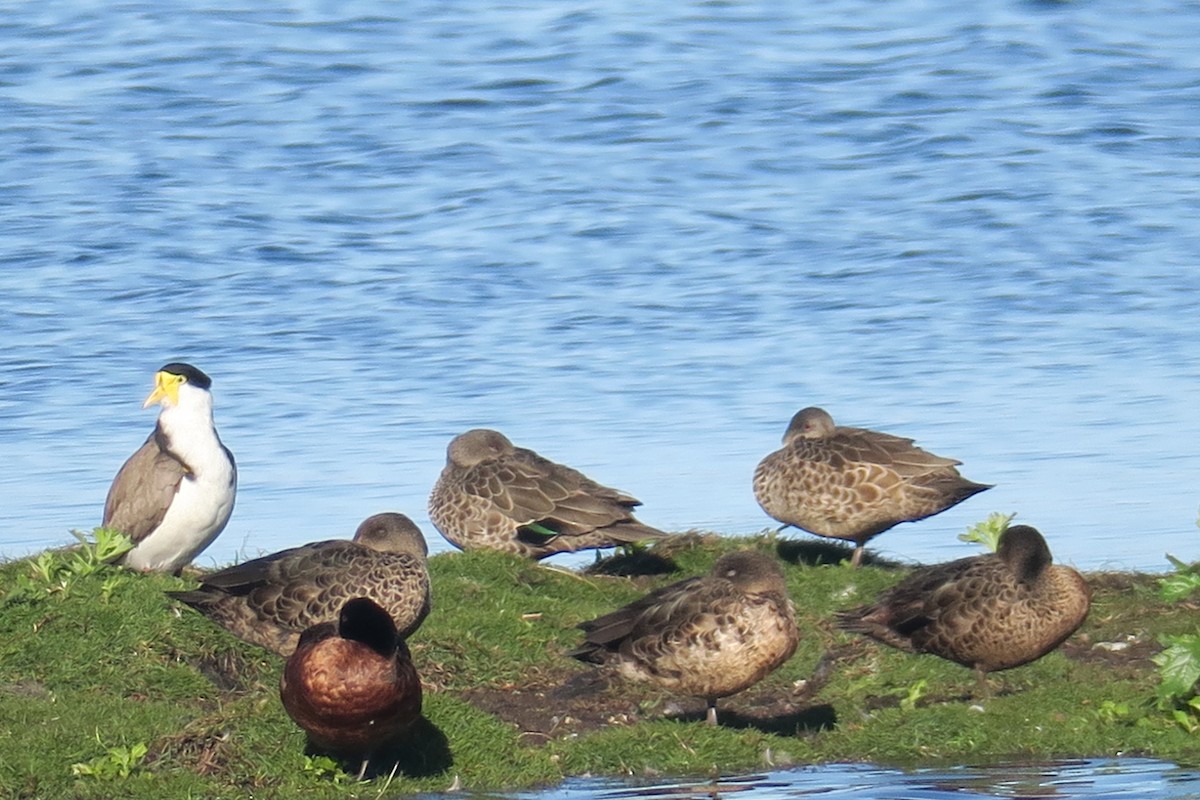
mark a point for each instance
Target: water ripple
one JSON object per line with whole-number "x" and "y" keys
{"x": 636, "y": 241}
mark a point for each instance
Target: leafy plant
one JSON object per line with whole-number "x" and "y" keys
{"x": 1178, "y": 666}
{"x": 1111, "y": 712}
{"x": 110, "y": 585}
{"x": 913, "y": 694}
{"x": 1179, "y": 669}
{"x": 56, "y": 571}
{"x": 108, "y": 546}
{"x": 1179, "y": 663}
{"x": 326, "y": 768}
{"x": 1188, "y": 717}
{"x": 117, "y": 763}
{"x": 988, "y": 532}
{"x": 1181, "y": 583}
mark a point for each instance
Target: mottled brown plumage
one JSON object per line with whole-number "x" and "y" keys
{"x": 852, "y": 483}
{"x": 268, "y": 601}
{"x": 709, "y": 637}
{"x": 989, "y": 613}
{"x": 351, "y": 685}
{"x": 492, "y": 495}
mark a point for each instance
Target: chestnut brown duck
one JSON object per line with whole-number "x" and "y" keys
{"x": 989, "y": 613}
{"x": 493, "y": 495}
{"x": 270, "y": 600}
{"x": 351, "y": 684}
{"x": 854, "y": 483}
{"x": 709, "y": 636}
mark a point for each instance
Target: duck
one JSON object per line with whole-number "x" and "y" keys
{"x": 351, "y": 684}
{"x": 853, "y": 483}
{"x": 494, "y": 495}
{"x": 175, "y": 494}
{"x": 989, "y": 613}
{"x": 709, "y": 636}
{"x": 270, "y": 601}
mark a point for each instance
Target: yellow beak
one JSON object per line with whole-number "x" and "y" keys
{"x": 166, "y": 386}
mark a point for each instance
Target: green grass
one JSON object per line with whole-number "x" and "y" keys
{"x": 109, "y": 689}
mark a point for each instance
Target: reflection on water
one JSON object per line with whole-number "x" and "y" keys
{"x": 1098, "y": 778}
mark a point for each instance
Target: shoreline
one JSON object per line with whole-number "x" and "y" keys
{"x": 102, "y": 670}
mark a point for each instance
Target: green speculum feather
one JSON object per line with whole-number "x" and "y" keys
{"x": 536, "y": 533}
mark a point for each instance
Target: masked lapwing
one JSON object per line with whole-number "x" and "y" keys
{"x": 175, "y": 494}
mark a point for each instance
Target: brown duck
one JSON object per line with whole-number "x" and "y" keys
{"x": 708, "y": 637}
{"x": 268, "y": 601}
{"x": 492, "y": 495}
{"x": 351, "y": 685}
{"x": 989, "y": 613}
{"x": 853, "y": 483}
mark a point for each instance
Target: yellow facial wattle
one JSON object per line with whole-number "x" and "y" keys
{"x": 166, "y": 387}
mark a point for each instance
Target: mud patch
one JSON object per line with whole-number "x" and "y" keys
{"x": 569, "y": 703}
{"x": 561, "y": 704}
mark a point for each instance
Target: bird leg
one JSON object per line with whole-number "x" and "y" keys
{"x": 982, "y": 688}
{"x": 712, "y": 711}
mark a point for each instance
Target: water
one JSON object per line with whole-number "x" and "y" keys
{"x": 1100, "y": 778}
{"x": 636, "y": 239}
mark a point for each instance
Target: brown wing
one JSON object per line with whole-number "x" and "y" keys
{"x": 143, "y": 490}
{"x": 572, "y": 479}
{"x": 696, "y": 639}
{"x": 706, "y": 598}
{"x": 661, "y": 609}
{"x": 312, "y": 587}
{"x": 281, "y": 567}
{"x": 958, "y": 607}
{"x": 302, "y": 586}
{"x": 900, "y": 454}
{"x": 925, "y": 603}
{"x": 530, "y": 489}
{"x": 579, "y": 505}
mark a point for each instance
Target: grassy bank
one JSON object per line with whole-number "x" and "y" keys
{"x": 108, "y": 689}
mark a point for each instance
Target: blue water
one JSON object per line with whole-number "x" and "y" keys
{"x": 1126, "y": 778}
{"x": 634, "y": 239}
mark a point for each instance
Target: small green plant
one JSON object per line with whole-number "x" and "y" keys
{"x": 1188, "y": 717}
{"x": 56, "y": 571}
{"x": 116, "y": 763}
{"x": 1178, "y": 670}
{"x": 110, "y": 585}
{"x": 988, "y": 532}
{"x": 913, "y": 694}
{"x": 107, "y": 546}
{"x": 1111, "y": 712}
{"x": 632, "y": 548}
{"x": 43, "y": 568}
{"x": 1179, "y": 663}
{"x": 1180, "y": 584}
{"x": 325, "y": 768}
